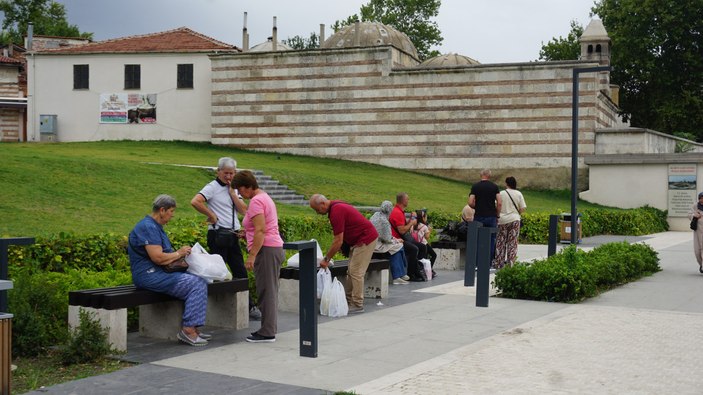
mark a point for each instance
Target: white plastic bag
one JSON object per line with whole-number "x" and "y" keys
{"x": 338, "y": 300}
{"x": 334, "y": 300}
{"x": 324, "y": 280}
{"x": 208, "y": 266}
{"x": 294, "y": 261}
{"x": 428, "y": 268}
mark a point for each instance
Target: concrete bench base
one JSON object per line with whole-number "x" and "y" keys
{"x": 114, "y": 320}
{"x": 375, "y": 287}
{"x": 163, "y": 320}
{"x": 450, "y": 259}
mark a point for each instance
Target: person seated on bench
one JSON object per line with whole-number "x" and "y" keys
{"x": 422, "y": 233}
{"x": 402, "y": 229}
{"x": 150, "y": 253}
{"x": 467, "y": 215}
{"x": 386, "y": 243}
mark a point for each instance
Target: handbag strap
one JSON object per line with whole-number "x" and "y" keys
{"x": 511, "y": 199}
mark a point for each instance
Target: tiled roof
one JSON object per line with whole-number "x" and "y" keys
{"x": 178, "y": 40}
{"x": 5, "y": 59}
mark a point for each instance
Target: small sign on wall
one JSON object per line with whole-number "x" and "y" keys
{"x": 682, "y": 189}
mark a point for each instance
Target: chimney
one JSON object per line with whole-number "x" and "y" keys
{"x": 30, "y": 36}
{"x": 357, "y": 34}
{"x": 274, "y": 36}
{"x": 245, "y": 35}
{"x": 322, "y": 33}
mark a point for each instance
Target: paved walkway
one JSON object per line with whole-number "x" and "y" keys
{"x": 429, "y": 338}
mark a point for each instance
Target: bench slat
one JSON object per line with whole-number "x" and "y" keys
{"x": 339, "y": 269}
{"x": 126, "y": 296}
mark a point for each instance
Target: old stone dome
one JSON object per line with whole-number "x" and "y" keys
{"x": 267, "y": 46}
{"x": 371, "y": 34}
{"x": 449, "y": 60}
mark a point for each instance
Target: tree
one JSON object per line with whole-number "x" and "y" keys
{"x": 411, "y": 17}
{"x": 561, "y": 48}
{"x": 48, "y": 17}
{"x": 657, "y": 59}
{"x": 297, "y": 42}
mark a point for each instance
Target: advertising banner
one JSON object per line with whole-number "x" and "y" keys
{"x": 682, "y": 189}
{"x": 127, "y": 108}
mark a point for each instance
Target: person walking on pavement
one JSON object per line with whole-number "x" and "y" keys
{"x": 485, "y": 199}
{"x": 351, "y": 227}
{"x": 221, "y": 203}
{"x": 697, "y": 212}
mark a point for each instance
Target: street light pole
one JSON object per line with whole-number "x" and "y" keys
{"x": 575, "y": 144}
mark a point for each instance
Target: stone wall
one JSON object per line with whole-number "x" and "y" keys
{"x": 10, "y": 118}
{"x": 352, "y": 104}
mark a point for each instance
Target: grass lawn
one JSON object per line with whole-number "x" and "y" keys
{"x": 108, "y": 186}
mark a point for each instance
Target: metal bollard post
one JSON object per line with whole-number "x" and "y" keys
{"x": 307, "y": 286}
{"x": 483, "y": 273}
{"x": 471, "y": 253}
{"x": 553, "y": 234}
{"x": 4, "y": 259}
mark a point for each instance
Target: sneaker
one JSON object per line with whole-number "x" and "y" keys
{"x": 205, "y": 336}
{"x": 198, "y": 342}
{"x": 406, "y": 278}
{"x": 434, "y": 274}
{"x": 356, "y": 310}
{"x": 257, "y": 338}
{"x": 399, "y": 281}
{"x": 255, "y": 314}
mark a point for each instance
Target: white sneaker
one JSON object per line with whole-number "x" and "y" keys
{"x": 399, "y": 281}
{"x": 406, "y": 278}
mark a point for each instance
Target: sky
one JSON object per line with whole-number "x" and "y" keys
{"x": 490, "y": 31}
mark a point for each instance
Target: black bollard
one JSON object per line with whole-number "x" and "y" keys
{"x": 307, "y": 286}
{"x": 4, "y": 259}
{"x": 483, "y": 272}
{"x": 471, "y": 253}
{"x": 553, "y": 235}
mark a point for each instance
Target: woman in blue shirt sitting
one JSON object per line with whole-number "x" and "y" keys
{"x": 150, "y": 252}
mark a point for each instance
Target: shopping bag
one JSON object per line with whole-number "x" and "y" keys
{"x": 338, "y": 300}
{"x": 427, "y": 265}
{"x": 324, "y": 280}
{"x": 294, "y": 261}
{"x": 325, "y": 300}
{"x": 208, "y": 266}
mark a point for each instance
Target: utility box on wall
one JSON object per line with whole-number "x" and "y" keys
{"x": 47, "y": 127}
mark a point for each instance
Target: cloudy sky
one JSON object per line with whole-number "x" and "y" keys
{"x": 490, "y": 31}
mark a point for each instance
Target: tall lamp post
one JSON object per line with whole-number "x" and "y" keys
{"x": 575, "y": 144}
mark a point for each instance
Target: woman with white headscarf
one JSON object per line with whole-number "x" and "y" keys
{"x": 386, "y": 243}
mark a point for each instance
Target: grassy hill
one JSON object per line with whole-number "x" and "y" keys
{"x": 108, "y": 186}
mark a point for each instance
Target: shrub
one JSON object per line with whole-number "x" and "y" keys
{"x": 87, "y": 343}
{"x": 572, "y": 275}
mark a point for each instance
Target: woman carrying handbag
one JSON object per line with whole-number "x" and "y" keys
{"x": 508, "y": 225}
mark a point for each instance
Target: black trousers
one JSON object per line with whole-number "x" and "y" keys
{"x": 414, "y": 251}
{"x": 232, "y": 255}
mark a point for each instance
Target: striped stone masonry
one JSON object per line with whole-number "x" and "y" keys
{"x": 353, "y": 104}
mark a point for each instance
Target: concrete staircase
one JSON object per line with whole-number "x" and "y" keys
{"x": 279, "y": 193}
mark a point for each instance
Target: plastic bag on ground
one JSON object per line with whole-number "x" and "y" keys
{"x": 338, "y": 300}
{"x": 324, "y": 280}
{"x": 427, "y": 265}
{"x": 211, "y": 267}
{"x": 294, "y": 261}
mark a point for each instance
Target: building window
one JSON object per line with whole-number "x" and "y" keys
{"x": 80, "y": 76}
{"x": 132, "y": 76}
{"x": 598, "y": 48}
{"x": 590, "y": 48}
{"x": 185, "y": 76}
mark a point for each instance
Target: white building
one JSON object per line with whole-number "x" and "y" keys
{"x": 149, "y": 87}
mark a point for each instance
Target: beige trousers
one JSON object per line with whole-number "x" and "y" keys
{"x": 359, "y": 258}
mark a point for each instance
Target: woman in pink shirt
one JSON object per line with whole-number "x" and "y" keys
{"x": 265, "y": 248}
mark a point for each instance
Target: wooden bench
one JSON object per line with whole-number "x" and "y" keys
{"x": 375, "y": 282}
{"x": 451, "y": 255}
{"x": 159, "y": 314}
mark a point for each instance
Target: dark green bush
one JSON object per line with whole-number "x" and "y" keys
{"x": 572, "y": 275}
{"x": 87, "y": 343}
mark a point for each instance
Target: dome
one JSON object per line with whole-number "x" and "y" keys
{"x": 371, "y": 34}
{"x": 267, "y": 46}
{"x": 449, "y": 60}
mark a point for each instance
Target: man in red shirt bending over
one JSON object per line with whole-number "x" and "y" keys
{"x": 351, "y": 227}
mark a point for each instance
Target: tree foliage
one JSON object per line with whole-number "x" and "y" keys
{"x": 562, "y": 48}
{"x": 412, "y": 17}
{"x": 298, "y": 42}
{"x": 657, "y": 59}
{"x": 48, "y": 17}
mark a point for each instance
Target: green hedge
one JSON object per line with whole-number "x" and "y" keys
{"x": 573, "y": 275}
